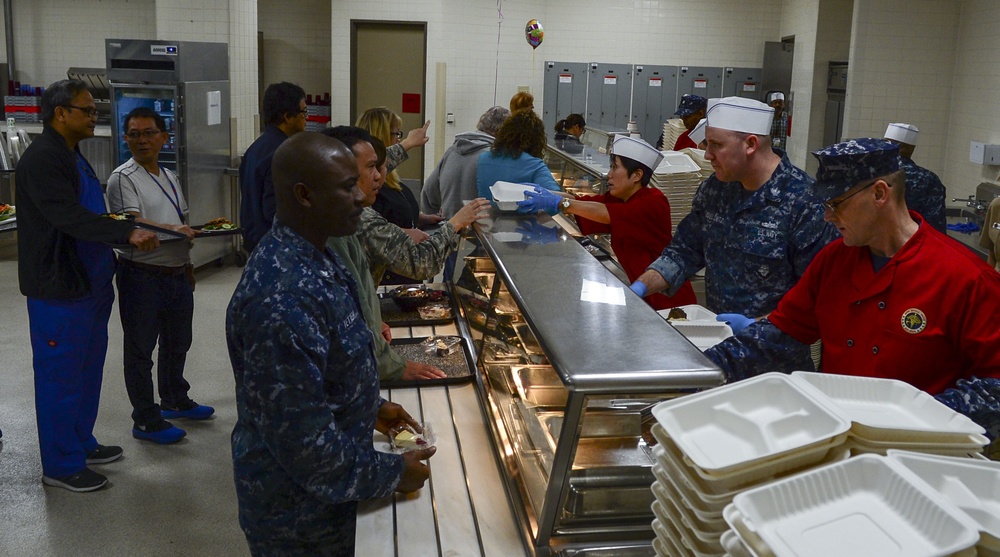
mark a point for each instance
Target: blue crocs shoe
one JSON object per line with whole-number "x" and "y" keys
{"x": 162, "y": 432}
{"x": 188, "y": 409}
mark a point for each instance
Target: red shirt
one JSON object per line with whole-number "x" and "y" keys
{"x": 929, "y": 317}
{"x": 683, "y": 141}
{"x": 640, "y": 229}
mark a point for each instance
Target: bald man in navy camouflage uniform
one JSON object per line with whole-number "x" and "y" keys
{"x": 307, "y": 389}
{"x": 754, "y": 224}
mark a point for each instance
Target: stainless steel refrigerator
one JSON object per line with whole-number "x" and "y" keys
{"x": 188, "y": 84}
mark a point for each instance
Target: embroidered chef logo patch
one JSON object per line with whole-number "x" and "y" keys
{"x": 914, "y": 321}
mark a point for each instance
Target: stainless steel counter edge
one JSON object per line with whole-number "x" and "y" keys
{"x": 596, "y": 346}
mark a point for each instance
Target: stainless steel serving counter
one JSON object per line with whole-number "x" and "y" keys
{"x": 595, "y": 346}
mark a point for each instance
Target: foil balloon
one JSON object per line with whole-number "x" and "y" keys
{"x": 533, "y": 33}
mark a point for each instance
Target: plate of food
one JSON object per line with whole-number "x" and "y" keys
{"x": 6, "y": 212}
{"x": 220, "y": 226}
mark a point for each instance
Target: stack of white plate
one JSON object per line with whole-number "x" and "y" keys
{"x": 865, "y": 506}
{"x": 887, "y": 414}
{"x": 716, "y": 444}
{"x": 672, "y": 129}
{"x": 678, "y": 177}
{"x": 700, "y": 326}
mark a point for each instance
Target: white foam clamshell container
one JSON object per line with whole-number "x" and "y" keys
{"x": 890, "y": 410}
{"x": 971, "y": 485}
{"x": 694, "y": 312}
{"x": 675, "y": 162}
{"x": 750, "y": 422}
{"x": 507, "y": 194}
{"x": 864, "y": 506}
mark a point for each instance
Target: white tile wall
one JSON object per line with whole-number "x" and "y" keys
{"x": 975, "y": 104}
{"x": 51, "y": 36}
{"x": 902, "y": 66}
{"x": 934, "y": 63}
{"x": 482, "y": 73}
{"x": 296, "y": 43}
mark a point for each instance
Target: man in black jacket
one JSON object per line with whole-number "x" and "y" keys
{"x": 65, "y": 267}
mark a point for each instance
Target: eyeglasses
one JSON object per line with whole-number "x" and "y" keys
{"x": 134, "y": 135}
{"x": 91, "y": 111}
{"x": 398, "y": 135}
{"x": 832, "y": 205}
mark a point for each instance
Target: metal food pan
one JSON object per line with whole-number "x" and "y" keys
{"x": 527, "y": 339}
{"x": 539, "y": 385}
{"x": 480, "y": 264}
{"x": 610, "y": 492}
{"x": 597, "y": 424}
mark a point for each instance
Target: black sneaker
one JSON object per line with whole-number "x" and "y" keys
{"x": 187, "y": 409}
{"x": 162, "y": 432}
{"x": 81, "y": 482}
{"x": 104, "y": 454}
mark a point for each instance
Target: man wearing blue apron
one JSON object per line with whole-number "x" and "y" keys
{"x": 65, "y": 267}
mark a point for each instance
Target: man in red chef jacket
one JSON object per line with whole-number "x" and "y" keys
{"x": 892, "y": 298}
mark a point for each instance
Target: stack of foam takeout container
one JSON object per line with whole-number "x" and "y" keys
{"x": 672, "y": 129}
{"x": 678, "y": 177}
{"x": 714, "y": 445}
{"x": 698, "y": 325}
{"x": 907, "y": 504}
{"x": 698, "y": 156}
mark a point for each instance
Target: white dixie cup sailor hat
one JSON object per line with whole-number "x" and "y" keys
{"x": 698, "y": 132}
{"x": 775, "y": 95}
{"x": 637, "y": 150}
{"x": 740, "y": 114}
{"x": 903, "y": 133}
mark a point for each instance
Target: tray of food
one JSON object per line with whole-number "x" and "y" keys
{"x": 8, "y": 218}
{"x": 217, "y": 227}
{"x": 448, "y": 353}
{"x": 416, "y": 304}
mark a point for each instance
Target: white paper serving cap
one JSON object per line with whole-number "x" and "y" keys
{"x": 740, "y": 114}
{"x": 698, "y": 132}
{"x": 637, "y": 150}
{"x": 775, "y": 95}
{"x": 903, "y": 133}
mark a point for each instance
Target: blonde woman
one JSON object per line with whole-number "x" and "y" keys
{"x": 397, "y": 204}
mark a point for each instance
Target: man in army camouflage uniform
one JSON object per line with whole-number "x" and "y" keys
{"x": 893, "y": 298}
{"x": 391, "y": 365}
{"x": 754, "y": 224}
{"x": 925, "y": 193}
{"x": 307, "y": 391}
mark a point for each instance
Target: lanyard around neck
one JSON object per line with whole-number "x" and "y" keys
{"x": 176, "y": 199}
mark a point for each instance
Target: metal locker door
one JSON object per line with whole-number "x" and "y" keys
{"x": 564, "y": 92}
{"x": 743, "y": 82}
{"x": 609, "y": 94}
{"x": 705, "y": 82}
{"x": 654, "y": 99}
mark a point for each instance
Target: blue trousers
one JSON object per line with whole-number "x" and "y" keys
{"x": 154, "y": 307}
{"x": 69, "y": 340}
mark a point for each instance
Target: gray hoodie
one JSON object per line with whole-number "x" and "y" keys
{"x": 454, "y": 178}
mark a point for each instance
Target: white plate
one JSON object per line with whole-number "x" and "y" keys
{"x": 507, "y": 194}
{"x": 860, "y": 507}
{"x": 748, "y": 422}
{"x": 887, "y": 404}
{"x": 971, "y": 485}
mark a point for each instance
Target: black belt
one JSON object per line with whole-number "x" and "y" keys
{"x": 159, "y": 269}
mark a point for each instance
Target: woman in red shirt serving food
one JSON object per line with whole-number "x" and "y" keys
{"x": 636, "y": 215}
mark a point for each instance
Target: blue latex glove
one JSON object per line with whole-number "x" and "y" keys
{"x": 639, "y": 289}
{"x": 539, "y": 199}
{"x": 964, "y": 227}
{"x": 534, "y": 233}
{"x": 735, "y": 321}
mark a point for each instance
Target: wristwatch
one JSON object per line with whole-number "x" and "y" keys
{"x": 564, "y": 204}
